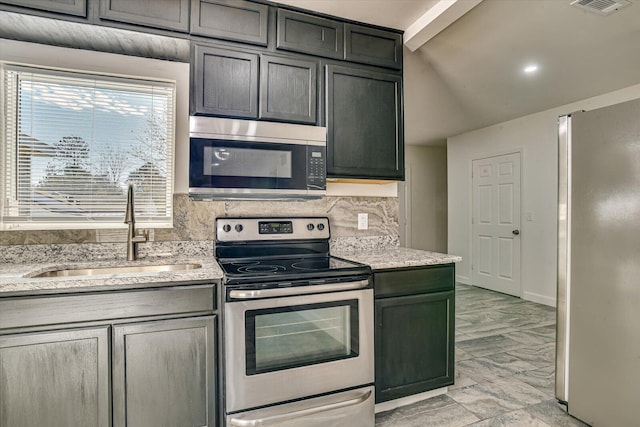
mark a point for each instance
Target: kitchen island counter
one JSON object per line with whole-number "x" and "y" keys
{"x": 18, "y": 280}
{"x": 398, "y": 257}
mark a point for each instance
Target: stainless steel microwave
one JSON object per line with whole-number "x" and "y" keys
{"x": 234, "y": 159}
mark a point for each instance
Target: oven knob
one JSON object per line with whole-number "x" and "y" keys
{"x": 226, "y": 228}
{"x": 239, "y": 227}
{"x": 320, "y": 227}
{"x": 310, "y": 227}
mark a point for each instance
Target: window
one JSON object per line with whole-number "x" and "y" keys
{"x": 72, "y": 142}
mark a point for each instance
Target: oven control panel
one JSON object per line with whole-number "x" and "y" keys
{"x": 255, "y": 229}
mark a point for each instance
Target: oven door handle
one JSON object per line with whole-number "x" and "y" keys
{"x": 276, "y": 419}
{"x": 296, "y": 290}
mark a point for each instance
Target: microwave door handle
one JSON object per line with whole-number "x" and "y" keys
{"x": 296, "y": 290}
{"x": 276, "y": 419}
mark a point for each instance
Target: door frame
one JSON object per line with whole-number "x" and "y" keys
{"x": 521, "y": 152}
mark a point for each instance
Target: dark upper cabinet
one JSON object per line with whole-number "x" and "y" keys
{"x": 364, "y": 119}
{"x": 68, "y": 7}
{"x": 164, "y": 373}
{"x": 56, "y": 378}
{"x": 420, "y": 358}
{"x": 373, "y": 46}
{"x": 166, "y": 14}
{"x": 235, "y": 20}
{"x": 314, "y": 35}
{"x": 288, "y": 89}
{"x": 225, "y": 82}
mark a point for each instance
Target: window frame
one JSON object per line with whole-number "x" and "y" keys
{"x": 11, "y": 136}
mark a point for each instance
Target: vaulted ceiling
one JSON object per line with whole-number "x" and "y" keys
{"x": 470, "y": 75}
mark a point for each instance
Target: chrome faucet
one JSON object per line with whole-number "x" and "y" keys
{"x": 133, "y": 236}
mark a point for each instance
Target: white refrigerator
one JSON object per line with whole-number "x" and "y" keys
{"x": 598, "y": 333}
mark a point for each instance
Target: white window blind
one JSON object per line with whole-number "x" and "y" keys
{"x": 73, "y": 142}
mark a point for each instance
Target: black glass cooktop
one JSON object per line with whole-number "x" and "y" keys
{"x": 291, "y": 268}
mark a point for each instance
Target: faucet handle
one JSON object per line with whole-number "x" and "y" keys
{"x": 141, "y": 236}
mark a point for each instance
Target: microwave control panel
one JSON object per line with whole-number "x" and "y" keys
{"x": 316, "y": 167}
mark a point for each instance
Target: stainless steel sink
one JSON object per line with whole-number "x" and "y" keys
{"x": 117, "y": 270}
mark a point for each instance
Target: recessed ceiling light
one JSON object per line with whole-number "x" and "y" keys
{"x": 530, "y": 69}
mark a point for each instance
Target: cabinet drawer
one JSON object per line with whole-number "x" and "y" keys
{"x": 414, "y": 281}
{"x": 310, "y": 34}
{"x": 230, "y": 20}
{"x": 373, "y": 46}
{"x": 59, "y": 309}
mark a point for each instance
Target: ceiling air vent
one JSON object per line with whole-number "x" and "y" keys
{"x": 601, "y": 7}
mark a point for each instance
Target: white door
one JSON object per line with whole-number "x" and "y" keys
{"x": 495, "y": 257}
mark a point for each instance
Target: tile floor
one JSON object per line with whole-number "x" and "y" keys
{"x": 505, "y": 356}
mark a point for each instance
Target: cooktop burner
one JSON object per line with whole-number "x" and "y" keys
{"x": 279, "y": 251}
{"x": 259, "y": 267}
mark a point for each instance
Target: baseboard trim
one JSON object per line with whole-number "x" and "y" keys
{"x": 540, "y": 299}
{"x": 404, "y": 401}
{"x": 463, "y": 279}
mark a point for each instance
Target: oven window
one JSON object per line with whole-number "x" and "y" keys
{"x": 295, "y": 336}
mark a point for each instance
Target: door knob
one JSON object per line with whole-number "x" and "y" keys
{"x": 515, "y": 232}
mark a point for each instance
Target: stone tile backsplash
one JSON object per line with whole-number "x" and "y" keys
{"x": 194, "y": 222}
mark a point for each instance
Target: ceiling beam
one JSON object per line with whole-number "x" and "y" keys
{"x": 434, "y": 20}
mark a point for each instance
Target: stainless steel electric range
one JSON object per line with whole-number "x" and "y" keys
{"x": 297, "y": 326}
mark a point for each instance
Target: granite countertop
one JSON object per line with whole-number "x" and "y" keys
{"x": 398, "y": 258}
{"x": 17, "y": 279}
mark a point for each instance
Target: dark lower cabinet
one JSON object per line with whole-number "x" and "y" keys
{"x": 364, "y": 117}
{"x": 414, "y": 334}
{"x": 164, "y": 373}
{"x": 55, "y": 378}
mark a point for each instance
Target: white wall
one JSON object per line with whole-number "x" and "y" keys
{"x": 536, "y": 136}
{"x": 423, "y": 199}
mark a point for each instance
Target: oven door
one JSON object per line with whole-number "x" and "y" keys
{"x": 291, "y": 347}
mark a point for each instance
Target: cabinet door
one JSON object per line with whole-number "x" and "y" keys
{"x": 299, "y": 32}
{"x": 288, "y": 89}
{"x": 364, "y": 124}
{"x": 236, "y": 20}
{"x": 167, "y": 14}
{"x": 55, "y": 379}
{"x": 418, "y": 358}
{"x": 68, "y": 7}
{"x": 225, "y": 83}
{"x": 373, "y": 46}
{"x": 164, "y": 373}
